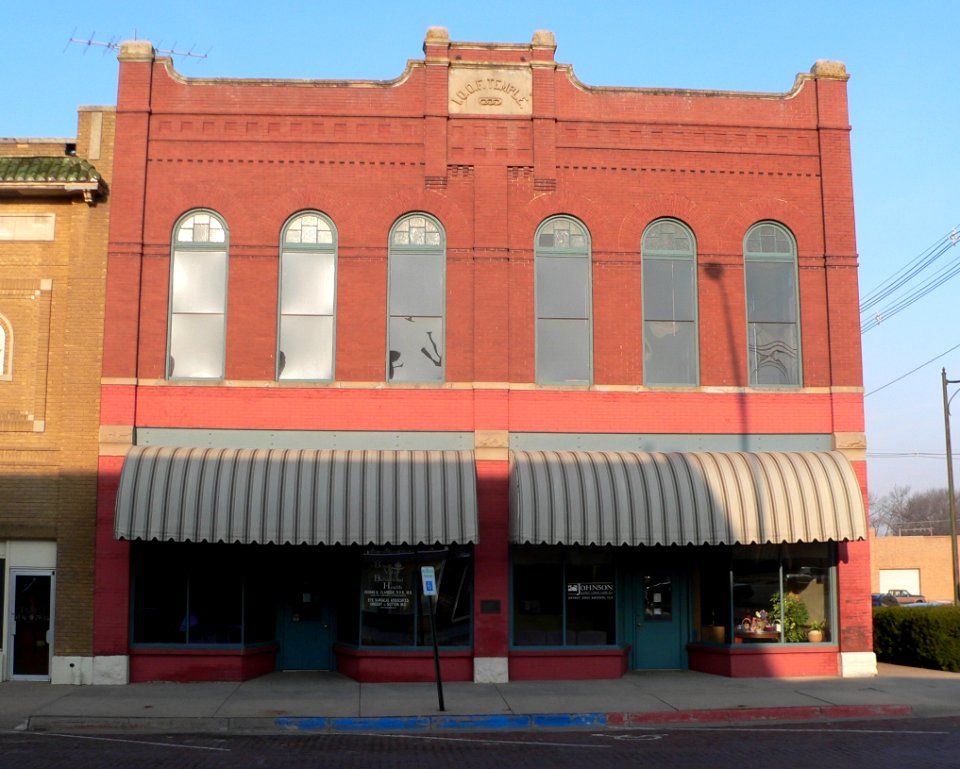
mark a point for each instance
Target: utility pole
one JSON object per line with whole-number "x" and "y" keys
{"x": 951, "y": 497}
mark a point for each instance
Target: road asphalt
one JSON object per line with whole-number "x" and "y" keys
{"x": 317, "y": 702}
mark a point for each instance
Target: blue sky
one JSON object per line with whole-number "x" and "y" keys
{"x": 904, "y": 110}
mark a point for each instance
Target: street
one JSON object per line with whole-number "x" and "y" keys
{"x": 881, "y": 744}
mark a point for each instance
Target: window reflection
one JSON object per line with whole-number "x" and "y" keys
{"x": 563, "y": 598}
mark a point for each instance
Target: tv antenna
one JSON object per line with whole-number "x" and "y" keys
{"x": 114, "y": 43}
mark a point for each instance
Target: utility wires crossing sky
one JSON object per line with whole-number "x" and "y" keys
{"x": 902, "y": 288}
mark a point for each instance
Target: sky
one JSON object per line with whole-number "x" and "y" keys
{"x": 903, "y": 99}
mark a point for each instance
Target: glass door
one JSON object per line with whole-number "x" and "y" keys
{"x": 31, "y": 624}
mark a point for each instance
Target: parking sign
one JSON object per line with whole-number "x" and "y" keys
{"x": 429, "y": 577}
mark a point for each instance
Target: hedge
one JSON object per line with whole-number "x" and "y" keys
{"x": 923, "y": 637}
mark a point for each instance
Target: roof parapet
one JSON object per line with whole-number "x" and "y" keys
{"x": 136, "y": 50}
{"x": 544, "y": 38}
{"x": 828, "y": 69}
{"x": 437, "y": 35}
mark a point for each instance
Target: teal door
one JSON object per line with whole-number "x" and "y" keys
{"x": 306, "y": 632}
{"x": 661, "y": 624}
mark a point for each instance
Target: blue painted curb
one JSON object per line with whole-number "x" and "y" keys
{"x": 416, "y": 723}
{"x": 481, "y": 722}
{"x": 567, "y": 720}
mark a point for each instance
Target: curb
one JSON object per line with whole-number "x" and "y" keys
{"x": 595, "y": 720}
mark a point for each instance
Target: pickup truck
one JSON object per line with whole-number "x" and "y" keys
{"x": 903, "y": 596}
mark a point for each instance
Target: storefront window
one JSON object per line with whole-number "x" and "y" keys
{"x": 563, "y": 598}
{"x": 196, "y": 595}
{"x": 3, "y": 592}
{"x": 216, "y": 607}
{"x": 782, "y": 594}
{"x": 159, "y": 604}
{"x": 394, "y": 613}
{"x": 712, "y": 580}
{"x": 807, "y": 579}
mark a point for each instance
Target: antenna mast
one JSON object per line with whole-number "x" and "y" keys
{"x": 114, "y": 43}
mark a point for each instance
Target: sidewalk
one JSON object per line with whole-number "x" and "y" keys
{"x": 329, "y": 702}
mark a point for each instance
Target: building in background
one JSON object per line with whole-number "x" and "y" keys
{"x": 592, "y": 353}
{"x": 922, "y": 565}
{"x": 53, "y": 246}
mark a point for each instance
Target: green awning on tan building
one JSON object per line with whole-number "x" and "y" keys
{"x": 297, "y": 496}
{"x": 713, "y": 498}
{"x": 31, "y": 175}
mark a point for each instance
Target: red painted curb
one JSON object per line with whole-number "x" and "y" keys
{"x": 730, "y": 715}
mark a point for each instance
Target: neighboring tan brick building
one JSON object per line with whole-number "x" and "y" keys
{"x": 592, "y": 353}
{"x": 921, "y": 564}
{"x": 53, "y": 246}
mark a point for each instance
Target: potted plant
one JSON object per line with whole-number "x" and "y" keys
{"x": 815, "y": 633}
{"x": 792, "y": 612}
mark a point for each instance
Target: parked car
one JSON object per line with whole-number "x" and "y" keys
{"x": 904, "y": 597}
{"x": 883, "y": 599}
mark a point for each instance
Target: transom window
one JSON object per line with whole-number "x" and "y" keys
{"x": 670, "y": 350}
{"x": 308, "y": 280}
{"x": 198, "y": 298}
{"x": 773, "y": 328}
{"x": 563, "y": 302}
{"x": 417, "y": 299}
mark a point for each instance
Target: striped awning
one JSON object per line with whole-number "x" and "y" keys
{"x": 297, "y": 496}
{"x": 638, "y": 498}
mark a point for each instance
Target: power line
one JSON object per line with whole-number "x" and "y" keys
{"x": 905, "y": 273}
{"x": 906, "y": 455}
{"x": 912, "y": 371}
{"x": 910, "y": 294}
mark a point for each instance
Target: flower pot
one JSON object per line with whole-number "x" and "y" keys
{"x": 815, "y": 636}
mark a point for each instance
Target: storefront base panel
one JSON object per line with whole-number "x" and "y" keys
{"x": 554, "y": 665}
{"x": 760, "y": 662}
{"x": 182, "y": 665}
{"x": 376, "y": 666}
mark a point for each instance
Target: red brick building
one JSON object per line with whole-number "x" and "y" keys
{"x": 593, "y": 353}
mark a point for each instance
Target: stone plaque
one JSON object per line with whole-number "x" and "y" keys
{"x": 486, "y": 91}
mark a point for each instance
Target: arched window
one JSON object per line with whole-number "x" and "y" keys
{"x": 417, "y": 261}
{"x": 670, "y": 349}
{"x": 6, "y": 349}
{"x": 198, "y": 297}
{"x": 308, "y": 289}
{"x": 563, "y": 302}
{"x": 773, "y": 327}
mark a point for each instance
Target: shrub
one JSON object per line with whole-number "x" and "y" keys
{"x": 926, "y": 637}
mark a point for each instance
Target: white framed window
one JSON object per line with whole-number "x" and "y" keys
{"x": 196, "y": 339}
{"x": 307, "y": 298}
{"x": 773, "y": 311}
{"x": 416, "y": 297}
{"x": 670, "y": 331}
{"x": 564, "y": 305}
{"x": 6, "y": 349}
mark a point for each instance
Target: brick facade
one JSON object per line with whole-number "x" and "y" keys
{"x": 364, "y": 154}
{"x": 929, "y": 556}
{"x": 51, "y": 297}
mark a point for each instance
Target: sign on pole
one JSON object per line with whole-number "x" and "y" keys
{"x": 428, "y": 576}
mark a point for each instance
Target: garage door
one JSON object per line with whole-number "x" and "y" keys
{"x": 900, "y": 579}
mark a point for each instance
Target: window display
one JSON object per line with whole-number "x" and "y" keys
{"x": 782, "y": 593}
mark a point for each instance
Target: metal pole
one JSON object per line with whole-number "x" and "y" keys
{"x": 951, "y": 497}
{"x": 436, "y": 653}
